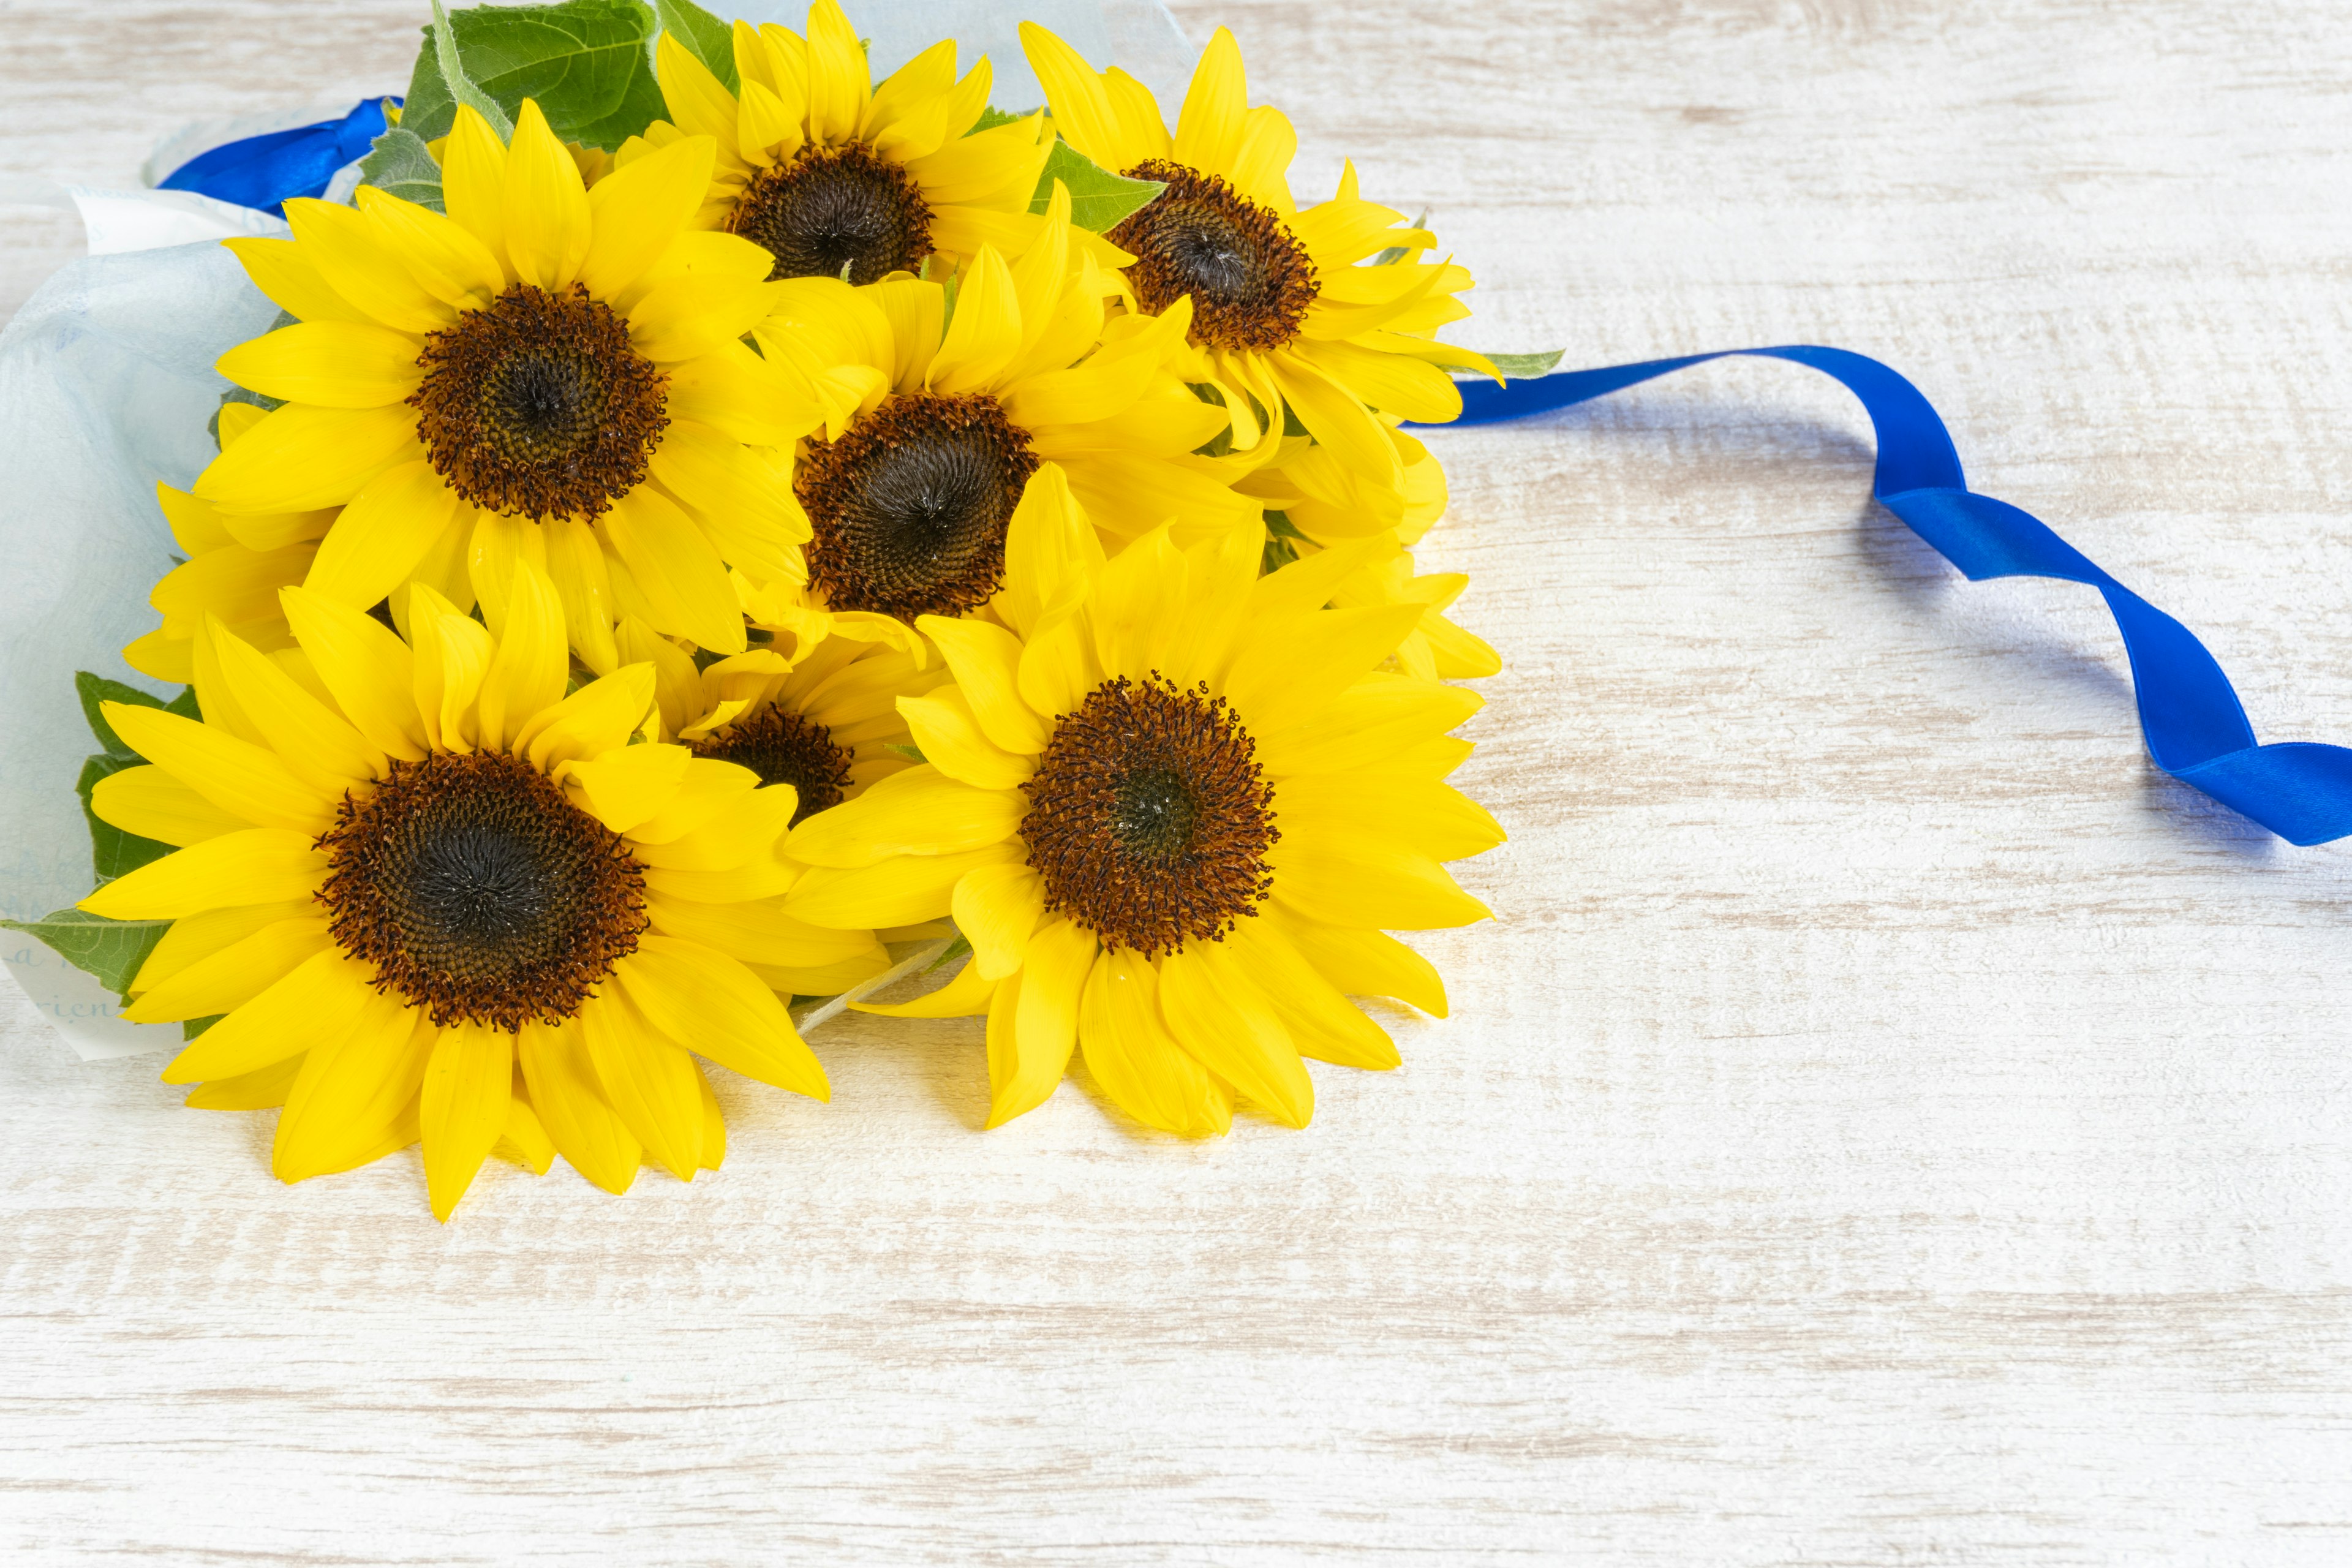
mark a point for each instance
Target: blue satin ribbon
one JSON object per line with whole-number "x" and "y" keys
{"x": 2195, "y": 727}
{"x": 264, "y": 170}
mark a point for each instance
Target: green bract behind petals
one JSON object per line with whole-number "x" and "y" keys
{"x": 1099, "y": 200}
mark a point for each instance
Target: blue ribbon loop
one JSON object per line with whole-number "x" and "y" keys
{"x": 264, "y": 170}
{"x": 2195, "y": 726}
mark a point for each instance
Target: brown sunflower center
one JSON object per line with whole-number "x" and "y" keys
{"x": 479, "y": 892}
{"x": 538, "y": 405}
{"x": 830, "y": 207}
{"x": 1250, "y": 280}
{"x": 909, "y": 506}
{"x": 1149, "y": 818}
{"x": 785, "y": 748}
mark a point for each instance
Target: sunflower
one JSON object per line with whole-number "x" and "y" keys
{"x": 230, "y": 567}
{"x": 549, "y": 375}
{"x": 427, "y": 895}
{"x": 835, "y": 177}
{"x": 1169, "y": 802}
{"x": 1284, "y": 319}
{"x": 908, "y": 497}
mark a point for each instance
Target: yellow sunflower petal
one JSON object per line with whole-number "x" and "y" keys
{"x": 320, "y": 1000}
{"x": 352, "y": 259}
{"x": 236, "y": 775}
{"x": 1394, "y": 384}
{"x": 839, "y": 78}
{"x": 693, "y": 994}
{"x": 1261, "y": 161}
{"x": 1322, "y": 1023}
{"x": 986, "y": 660}
{"x": 234, "y": 975}
{"x": 626, "y": 786}
{"x": 1142, "y": 129}
{"x": 998, "y": 907}
{"x": 757, "y": 932}
{"x": 1285, "y": 672}
{"x": 319, "y": 742}
{"x": 301, "y": 457}
{"x": 575, "y": 564}
{"x": 545, "y": 206}
{"x": 985, "y": 334}
{"x": 468, "y": 1084}
{"x": 1345, "y": 880}
{"x": 1026, "y": 1062}
{"x": 1209, "y": 127}
{"x": 1051, "y": 549}
{"x": 649, "y": 1079}
{"x": 635, "y": 213}
{"x": 743, "y": 829}
{"x": 256, "y": 866}
{"x": 1133, "y": 1060}
{"x": 1218, "y": 1013}
{"x": 697, "y": 101}
{"x": 152, "y": 803}
{"x": 1337, "y": 418}
{"x": 453, "y": 652}
{"x": 708, "y": 787}
{"x": 448, "y": 259}
{"x": 282, "y": 269}
{"x": 524, "y": 1138}
{"x": 593, "y": 720}
{"x": 335, "y": 364}
{"x": 900, "y": 891}
{"x": 354, "y": 1099}
{"x": 1366, "y": 724}
{"x": 527, "y": 673}
{"x": 364, "y": 664}
{"x": 265, "y": 1088}
{"x": 194, "y": 938}
{"x": 1364, "y": 962}
{"x": 572, "y": 1108}
{"x": 949, "y": 734}
{"x": 920, "y": 812}
{"x": 681, "y": 576}
{"x": 1421, "y": 813}
{"x": 474, "y": 182}
{"x": 1082, "y": 110}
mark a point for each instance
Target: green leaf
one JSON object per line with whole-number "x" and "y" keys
{"x": 1278, "y": 524}
{"x": 185, "y": 705}
{"x": 955, "y": 950}
{"x": 1099, "y": 200}
{"x": 111, "y": 949}
{"x": 94, "y": 690}
{"x": 1278, "y": 555}
{"x": 112, "y": 852}
{"x": 450, "y": 63}
{"x": 194, "y": 1026}
{"x": 584, "y": 62}
{"x": 402, "y": 165}
{"x": 991, "y": 117}
{"x": 705, "y": 37}
{"x": 1526, "y": 367}
{"x": 912, "y": 753}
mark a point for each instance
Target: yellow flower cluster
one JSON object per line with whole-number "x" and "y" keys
{"x": 631, "y": 603}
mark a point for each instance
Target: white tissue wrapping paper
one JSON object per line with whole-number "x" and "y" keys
{"x": 107, "y": 387}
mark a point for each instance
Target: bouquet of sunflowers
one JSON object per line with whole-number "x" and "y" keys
{"x": 683, "y": 543}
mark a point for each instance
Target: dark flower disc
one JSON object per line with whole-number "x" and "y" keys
{"x": 785, "y": 748}
{"x": 830, "y": 207}
{"x": 1250, "y": 280}
{"x": 479, "y": 891}
{"x": 1149, "y": 818}
{"x": 908, "y": 509}
{"x": 538, "y": 405}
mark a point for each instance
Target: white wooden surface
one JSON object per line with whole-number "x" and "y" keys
{"x": 1888, "y": 1122}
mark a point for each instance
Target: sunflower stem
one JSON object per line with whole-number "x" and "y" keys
{"x": 826, "y": 1011}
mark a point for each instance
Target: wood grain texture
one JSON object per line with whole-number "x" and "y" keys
{"x": 1887, "y": 1122}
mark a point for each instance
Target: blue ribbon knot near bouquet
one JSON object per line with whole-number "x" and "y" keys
{"x": 664, "y": 526}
